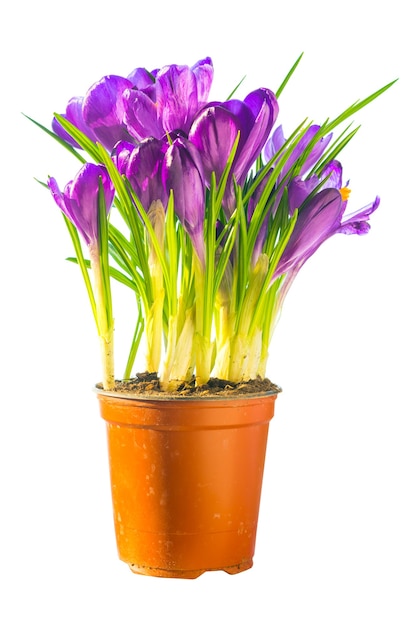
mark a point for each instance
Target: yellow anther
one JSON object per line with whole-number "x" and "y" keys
{"x": 345, "y": 192}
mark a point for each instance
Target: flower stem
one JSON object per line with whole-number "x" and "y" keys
{"x": 246, "y": 346}
{"x": 104, "y": 320}
{"x": 204, "y": 312}
{"x": 154, "y": 325}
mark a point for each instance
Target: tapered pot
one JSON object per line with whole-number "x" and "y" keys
{"x": 186, "y": 477}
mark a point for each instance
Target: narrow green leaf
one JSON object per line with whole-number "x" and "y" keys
{"x": 83, "y": 266}
{"x": 116, "y": 274}
{"x": 103, "y": 238}
{"x": 288, "y": 76}
{"x": 236, "y": 88}
{"x": 136, "y": 339}
{"x": 355, "y": 107}
{"x": 82, "y": 139}
{"x": 62, "y": 142}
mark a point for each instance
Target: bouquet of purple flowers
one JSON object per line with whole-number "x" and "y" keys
{"x": 205, "y": 210}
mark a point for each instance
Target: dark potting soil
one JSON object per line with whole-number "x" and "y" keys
{"x": 148, "y": 384}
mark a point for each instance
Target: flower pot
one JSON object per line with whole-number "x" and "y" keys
{"x": 186, "y": 477}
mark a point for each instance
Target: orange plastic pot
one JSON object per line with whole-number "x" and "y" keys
{"x": 186, "y": 478}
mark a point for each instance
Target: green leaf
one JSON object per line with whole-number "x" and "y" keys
{"x": 288, "y": 76}
{"x": 136, "y": 339}
{"x": 82, "y": 139}
{"x": 103, "y": 239}
{"x": 62, "y": 142}
{"x": 354, "y": 108}
{"x": 236, "y": 88}
{"x": 116, "y": 274}
{"x": 84, "y": 265}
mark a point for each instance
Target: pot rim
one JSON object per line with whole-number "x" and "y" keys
{"x": 168, "y": 397}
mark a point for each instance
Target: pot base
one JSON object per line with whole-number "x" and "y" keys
{"x": 187, "y": 574}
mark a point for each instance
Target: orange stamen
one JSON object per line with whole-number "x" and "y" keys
{"x": 345, "y": 192}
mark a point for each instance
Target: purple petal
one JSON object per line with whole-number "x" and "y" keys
{"x": 80, "y": 199}
{"x": 317, "y": 150}
{"x": 182, "y": 174}
{"x": 277, "y": 141}
{"x": 274, "y": 144}
{"x": 357, "y": 223}
{"x": 215, "y": 129}
{"x": 334, "y": 172}
{"x": 103, "y": 110}
{"x": 264, "y": 108}
{"x": 141, "y": 113}
{"x": 299, "y": 190}
{"x": 121, "y": 154}
{"x": 213, "y": 133}
{"x": 143, "y": 169}
{"x": 73, "y": 114}
{"x": 141, "y": 78}
{"x": 177, "y": 95}
{"x": 170, "y": 102}
{"x": 203, "y": 70}
{"x": 319, "y": 219}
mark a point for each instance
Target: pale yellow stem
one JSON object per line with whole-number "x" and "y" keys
{"x": 223, "y": 343}
{"x": 154, "y": 322}
{"x": 105, "y": 329}
{"x": 182, "y": 361}
{"x": 106, "y": 346}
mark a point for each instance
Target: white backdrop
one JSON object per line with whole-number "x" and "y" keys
{"x": 337, "y": 539}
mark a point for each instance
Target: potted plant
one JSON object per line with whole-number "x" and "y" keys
{"x": 205, "y": 211}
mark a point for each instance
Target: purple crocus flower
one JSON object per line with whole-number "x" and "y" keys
{"x": 80, "y": 199}
{"x": 277, "y": 141}
{"x": 142, "y": 78}
{"x": 103, "y": 110}
{"x": 100, "y": 114}
{"x": 142, "y": 105}
{"x": 182, "y": 173}
{"x": 321, "y": 217}
{"x": 331, "y": 178}
{"x": 143, "y": 169}
{"x": 171, "y": 102}
{"x": 215, "y": 130}
{"x": 298, "y": 187}
{"x": 121, "y": 154}
{"x": 357, "y": 223}
{"x": 73, "y": 114}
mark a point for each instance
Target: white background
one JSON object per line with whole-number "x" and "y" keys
{"x": 337, "y": 540}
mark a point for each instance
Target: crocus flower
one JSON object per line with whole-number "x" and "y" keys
{"x": 320, "y": 218}
{"x": 170, "y": 102}
{"x": 331, "y": 178}
{"x": 182, "y": 173}
{"x": 142, "y": 105}
{"x": 215, "y": 130}
{"x": 357, "y": 223}
{"x": 103, "y": 110}
{"x": 73, "y": 114}
{"x": 99, "y": 114}
{"x": 80, "y": 199}
{"x": 277, "y": 141}
{"x": 143, "y": 169}
{"x": 121, "y": 154}
{"x": 298, "y": 188}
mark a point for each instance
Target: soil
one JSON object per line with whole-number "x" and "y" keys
{"x": 148, "y": 384}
